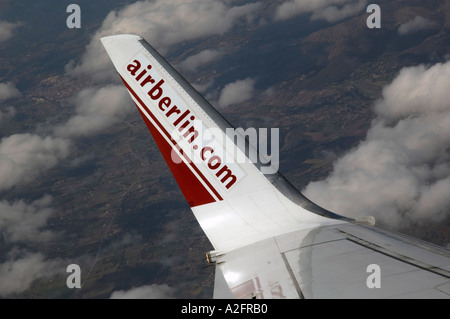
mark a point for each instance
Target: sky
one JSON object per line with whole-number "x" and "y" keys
{"x": 399, "y": 172}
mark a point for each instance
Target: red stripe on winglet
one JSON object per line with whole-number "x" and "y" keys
{"x": 193, "y": 190}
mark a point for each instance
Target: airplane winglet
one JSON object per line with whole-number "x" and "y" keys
{"x": 234, "y": 202}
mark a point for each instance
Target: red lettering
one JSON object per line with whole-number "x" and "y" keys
{"x": 148, "y": 79}
{"x": 189, "y": 131}
{"x": 164, "y": 103}
{"x": 134, "y": 68}
{"x": 183, "y": 126}
{"x": 174, "y": 109}
{"x": 212, "y": 159}
{"x": 224, "y": 174}
{"x": 141, "y": 75}
{"x": 156, "y": 91}
{"x": 181, "y": 117}
{"x": 204, "y": 150}
{"x": 228, "y": 175}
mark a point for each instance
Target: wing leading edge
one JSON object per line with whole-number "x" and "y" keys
{"x": 270, "y": 241}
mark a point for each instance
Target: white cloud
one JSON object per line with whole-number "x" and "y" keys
{"x": 145, "y": 292}
{"x": 8, "y": 91}
{"x": 418, "y": 23}
{"x": 17, "y": 274}
{"x": 401, "y": 171}
{"x": 236, "y": 92}
{"x": 416, "y": 90}
{"x": 7, "y": 30}
{"x": 328, "y": 10}
{"x": 333, "y": 14}
{"x": 163, "y": 23}
{"x": 96, "y": 109}
{"x": 22, "y": 222}
{"x": 24, "y": 156}
{"x": 202, "y": 58}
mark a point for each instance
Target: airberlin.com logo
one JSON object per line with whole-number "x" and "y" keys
{"x": 192, "y": 140}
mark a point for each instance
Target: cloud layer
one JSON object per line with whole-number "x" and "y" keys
{"x": 414, "y": 25}
{"x": 22, "y": 222}
{"x": 163, "y": 23}
{"x": 204, "y": 57}
{"x": 18, "y": 272}
{"x": 328, "y": 10}
{"x": 401, "y": 172}
{"x": 7, "y": 30}
{"x": 23, "y": 157}
{"x": 236, "y": 92}
{"x": 96, "y": 109}
{"x": 8, "y": 91}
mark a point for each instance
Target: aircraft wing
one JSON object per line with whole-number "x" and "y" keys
{"x": 269, "y": 240}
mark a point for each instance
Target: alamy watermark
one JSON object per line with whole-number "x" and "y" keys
{"x": 374, "y": 279}
{"x": 373, "y": 21}
{"x": 217, "y": 149}
{"x": 74, "y": 19}
{"x": 74, "y": 279}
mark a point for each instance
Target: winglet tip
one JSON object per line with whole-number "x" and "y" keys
{"x": 109, "y": 38}
{"x": 366, "y": 220}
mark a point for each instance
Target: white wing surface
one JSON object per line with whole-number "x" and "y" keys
{"x": 269, "y": 240}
